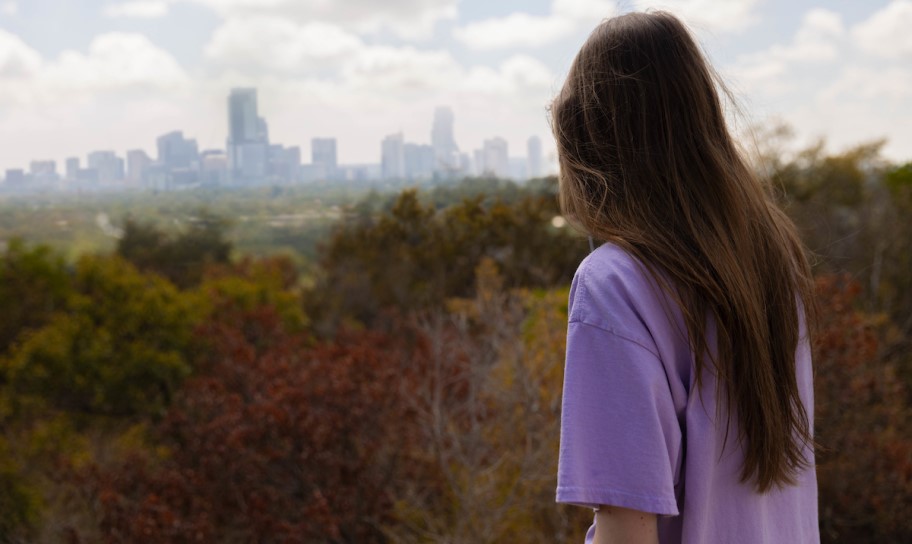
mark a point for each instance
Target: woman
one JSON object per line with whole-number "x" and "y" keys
{"x": 688, "y": 399}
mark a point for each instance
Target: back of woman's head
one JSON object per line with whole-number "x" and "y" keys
{"x": 647, "y": 161}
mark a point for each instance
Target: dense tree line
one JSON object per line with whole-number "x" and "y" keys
{"x": 409, "y": 389}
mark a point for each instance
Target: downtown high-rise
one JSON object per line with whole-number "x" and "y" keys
{"x": 248, "y": 138}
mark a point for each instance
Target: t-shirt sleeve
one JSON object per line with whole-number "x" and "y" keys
{"x": 620, "y": 436}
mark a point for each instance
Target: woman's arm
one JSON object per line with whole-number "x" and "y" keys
{"x": 615, "y": 525}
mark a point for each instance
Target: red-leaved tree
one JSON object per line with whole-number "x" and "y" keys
{"x": 864, "y": 424}
{"x": 274, "y": 442}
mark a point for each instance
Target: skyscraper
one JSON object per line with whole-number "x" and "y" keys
{"x": 442, "y": 140}
{"x": 138, "y": 163}
{"x": 495, "y": 157}
{"x": 72, "y": 168}
{"x": 248, "y": 138}
{"x": 175, "y": 151}
{"x": 14, "y": 177}
{"x": 213, "y": 168}
{"x": 43, "y": 171}
{"x": 243, "y": 120}
{"x": 392, "y": 153}
{"x": 324, "y": 158}
{"x": 284, "y": 163}
{"x": 108, "y": 166}
{"x": 418, "y": 161}
{"x": 534, "y": 157}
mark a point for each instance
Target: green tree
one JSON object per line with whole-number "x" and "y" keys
{"x": 34, "y": 284}
{"x": 182, "y": 258}
{"x": 415, "y": 256}
{"x": 119, "y": 349}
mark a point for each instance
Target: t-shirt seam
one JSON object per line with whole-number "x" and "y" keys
{"x": 610, "y": 329}
{"x": 601, "y": 495}
{"x": 580, "y": 314}
{"x": 616, "y": 491}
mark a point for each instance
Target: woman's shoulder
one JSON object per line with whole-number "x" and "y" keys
{"x": 611, "y": 262}
{"x": 614, "y": 290}
{"x": 610, "y": 268}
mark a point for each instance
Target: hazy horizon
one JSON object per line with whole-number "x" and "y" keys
{"x": 117, "y": 74}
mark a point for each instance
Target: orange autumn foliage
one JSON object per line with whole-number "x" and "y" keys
{"x": 864, "y": 424}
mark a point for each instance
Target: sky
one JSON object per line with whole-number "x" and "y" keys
{"x": 78, "y": 76}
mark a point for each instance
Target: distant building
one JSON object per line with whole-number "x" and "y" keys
{"x": 442, "y": 139}
{"x": 519, "y": 168}
{"x": 243, "y": 120}
{"x": 43, "y": 171}
{"x": 14, "y": 177}
{"x": 183, "y": 178}
{"x": 495, "y": 158}
{"x": 248, "y": 138}
{"x": 138, "y": 162}
{"x": 324, "y": 158}
{"x": 87, "y": 175}
{"x": 176, "y": 152}
{"x": 392, "y": 153}
{"x": 534, "y": 158}
{"x": 158, "y": 178}
{"x": 465, "y": 164}
{"x": 419, "y": 161}
{"x": 478, "y": 162}
{"x": 248, "y": 162}
{"x": 72, "y": 168}
{"x": 108, "y": 165}
{"x": 360, "y": 172}
{"x": 285, "y": 163}
{"x": 214, "y": 168}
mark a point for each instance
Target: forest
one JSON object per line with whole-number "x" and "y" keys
{"x": 388, "y": 370}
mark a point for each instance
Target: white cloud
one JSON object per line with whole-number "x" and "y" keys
{"x": 400, "y": 71}
{"x": 413, "y": 19}
{"x": 585, "y": 10}
{"x": 266, "y": 44}
{"x": 566, "y": 16}
{"x": 524, "y": 30}
{"x": 862, "y": 103}
{"x": 9, "y": 8}
{"x": 828, "y": 85}
{"x": 517, "y": 74}
{"x": 514, "y": 30}
{"x": 116, "y": 61}
{"x": 890, "y": 84}
{"x": 325, "y": 57}
{"x": 140, "y": 9}
{"x": 818, "y": 40}
{"x": 17, "y": 60}
{"x": 887, "y": 32}
{"x": 728, "y": 16}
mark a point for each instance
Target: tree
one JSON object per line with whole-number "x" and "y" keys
{"x": 228, "y": 293}
{"x": 488, "y": 406}
{"x": 118, "y": 349}
{"x": 183, "y": 258}
{"x": 415, "y": 256}
{"x": 34, "y": 284}
{"x": 284, "y": 444}
{"x": 864, "y": 423}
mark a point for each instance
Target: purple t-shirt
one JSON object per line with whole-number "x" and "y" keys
{"x": 634, "y": 432}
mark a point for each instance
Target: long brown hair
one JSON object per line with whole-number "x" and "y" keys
{"x": 647, "y": 162}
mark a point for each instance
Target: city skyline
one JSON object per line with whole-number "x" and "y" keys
{"x": 247, "y": 143}
{"x": 77, "y": 77}
{"x": 250, "y": 158}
